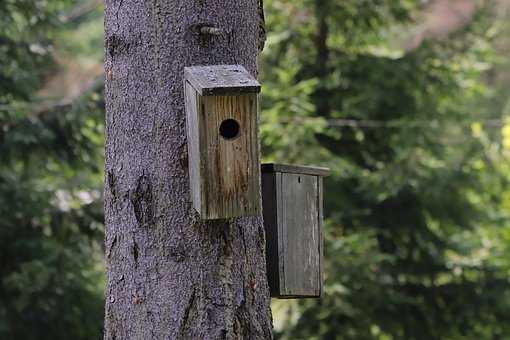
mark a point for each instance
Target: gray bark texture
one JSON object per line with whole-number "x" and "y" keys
{"x": 170, "y": 275}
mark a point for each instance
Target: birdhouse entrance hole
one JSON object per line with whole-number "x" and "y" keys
{"x": 229, "y": 129}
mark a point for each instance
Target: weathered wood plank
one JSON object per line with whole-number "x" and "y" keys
{"x": 270, "y": 213}
{"x": 300, "y": 238}
{"x": 293, "y": 214}
{"x": 320, "y": 207}
{"x": 216, "y": 80}
{"x": 229, "y": 167}
{"x": 295, "y": 169}
{"x": 223, "y": 146}
{"x": 193, "y": 104}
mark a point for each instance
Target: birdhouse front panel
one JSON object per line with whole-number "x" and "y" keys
{"x": 223, "y": 141}
{"x": 300, "y": 235}
{"x": 292, "y": 209}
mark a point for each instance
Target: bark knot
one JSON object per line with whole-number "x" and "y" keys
{"x": 141, "y": 199}
{"x": 112, "y": 184}
{"x": 178, "y": 253}
{"x": 116, "y": 45}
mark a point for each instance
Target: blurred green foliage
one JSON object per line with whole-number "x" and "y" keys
{"x": 51, "y": 277}
{"x": 416, "y": 228}
{"x": 417, "y": 139}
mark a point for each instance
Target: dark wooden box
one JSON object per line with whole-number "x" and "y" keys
{"x": 292, "y": 209}
{"x": 223, "y": 146}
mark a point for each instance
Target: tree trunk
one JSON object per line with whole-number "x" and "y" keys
{"x": 170, "y": 275}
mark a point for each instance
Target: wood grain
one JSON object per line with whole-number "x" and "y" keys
{"x": 193, "y": 104}
{"x": 224, "y": 173}
{"x": 320, "y": 208}
{"x": 299, "y": 236}
{"x": 216, "y": 80}
{"x": 270, "y": 213}
{"x": 296, "y": 169}
{"x": 292, "y": 210}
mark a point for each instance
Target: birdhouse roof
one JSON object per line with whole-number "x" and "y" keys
{"x": 295, "y": 169}
{"x": 221, "y": 80}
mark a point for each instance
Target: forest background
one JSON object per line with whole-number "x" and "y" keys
{"x": 405, "y": 100}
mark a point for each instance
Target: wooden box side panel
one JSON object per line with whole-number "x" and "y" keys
{"x": 231, "y": 169}
{"x": 320, "y": 207}
{"x": 270, "y": 213}
{"x": 299, "y": 236}
{"x": 193, "y": 104}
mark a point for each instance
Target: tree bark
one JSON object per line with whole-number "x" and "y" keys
{"x": 170, "y": 275}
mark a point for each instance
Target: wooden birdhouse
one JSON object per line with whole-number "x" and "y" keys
{"x": 292, "y": 209}
{"x": 223, "y": 146}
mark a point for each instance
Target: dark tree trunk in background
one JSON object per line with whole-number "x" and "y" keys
{"x": 171, "y": 276}
{"x": 321, "y": 61}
